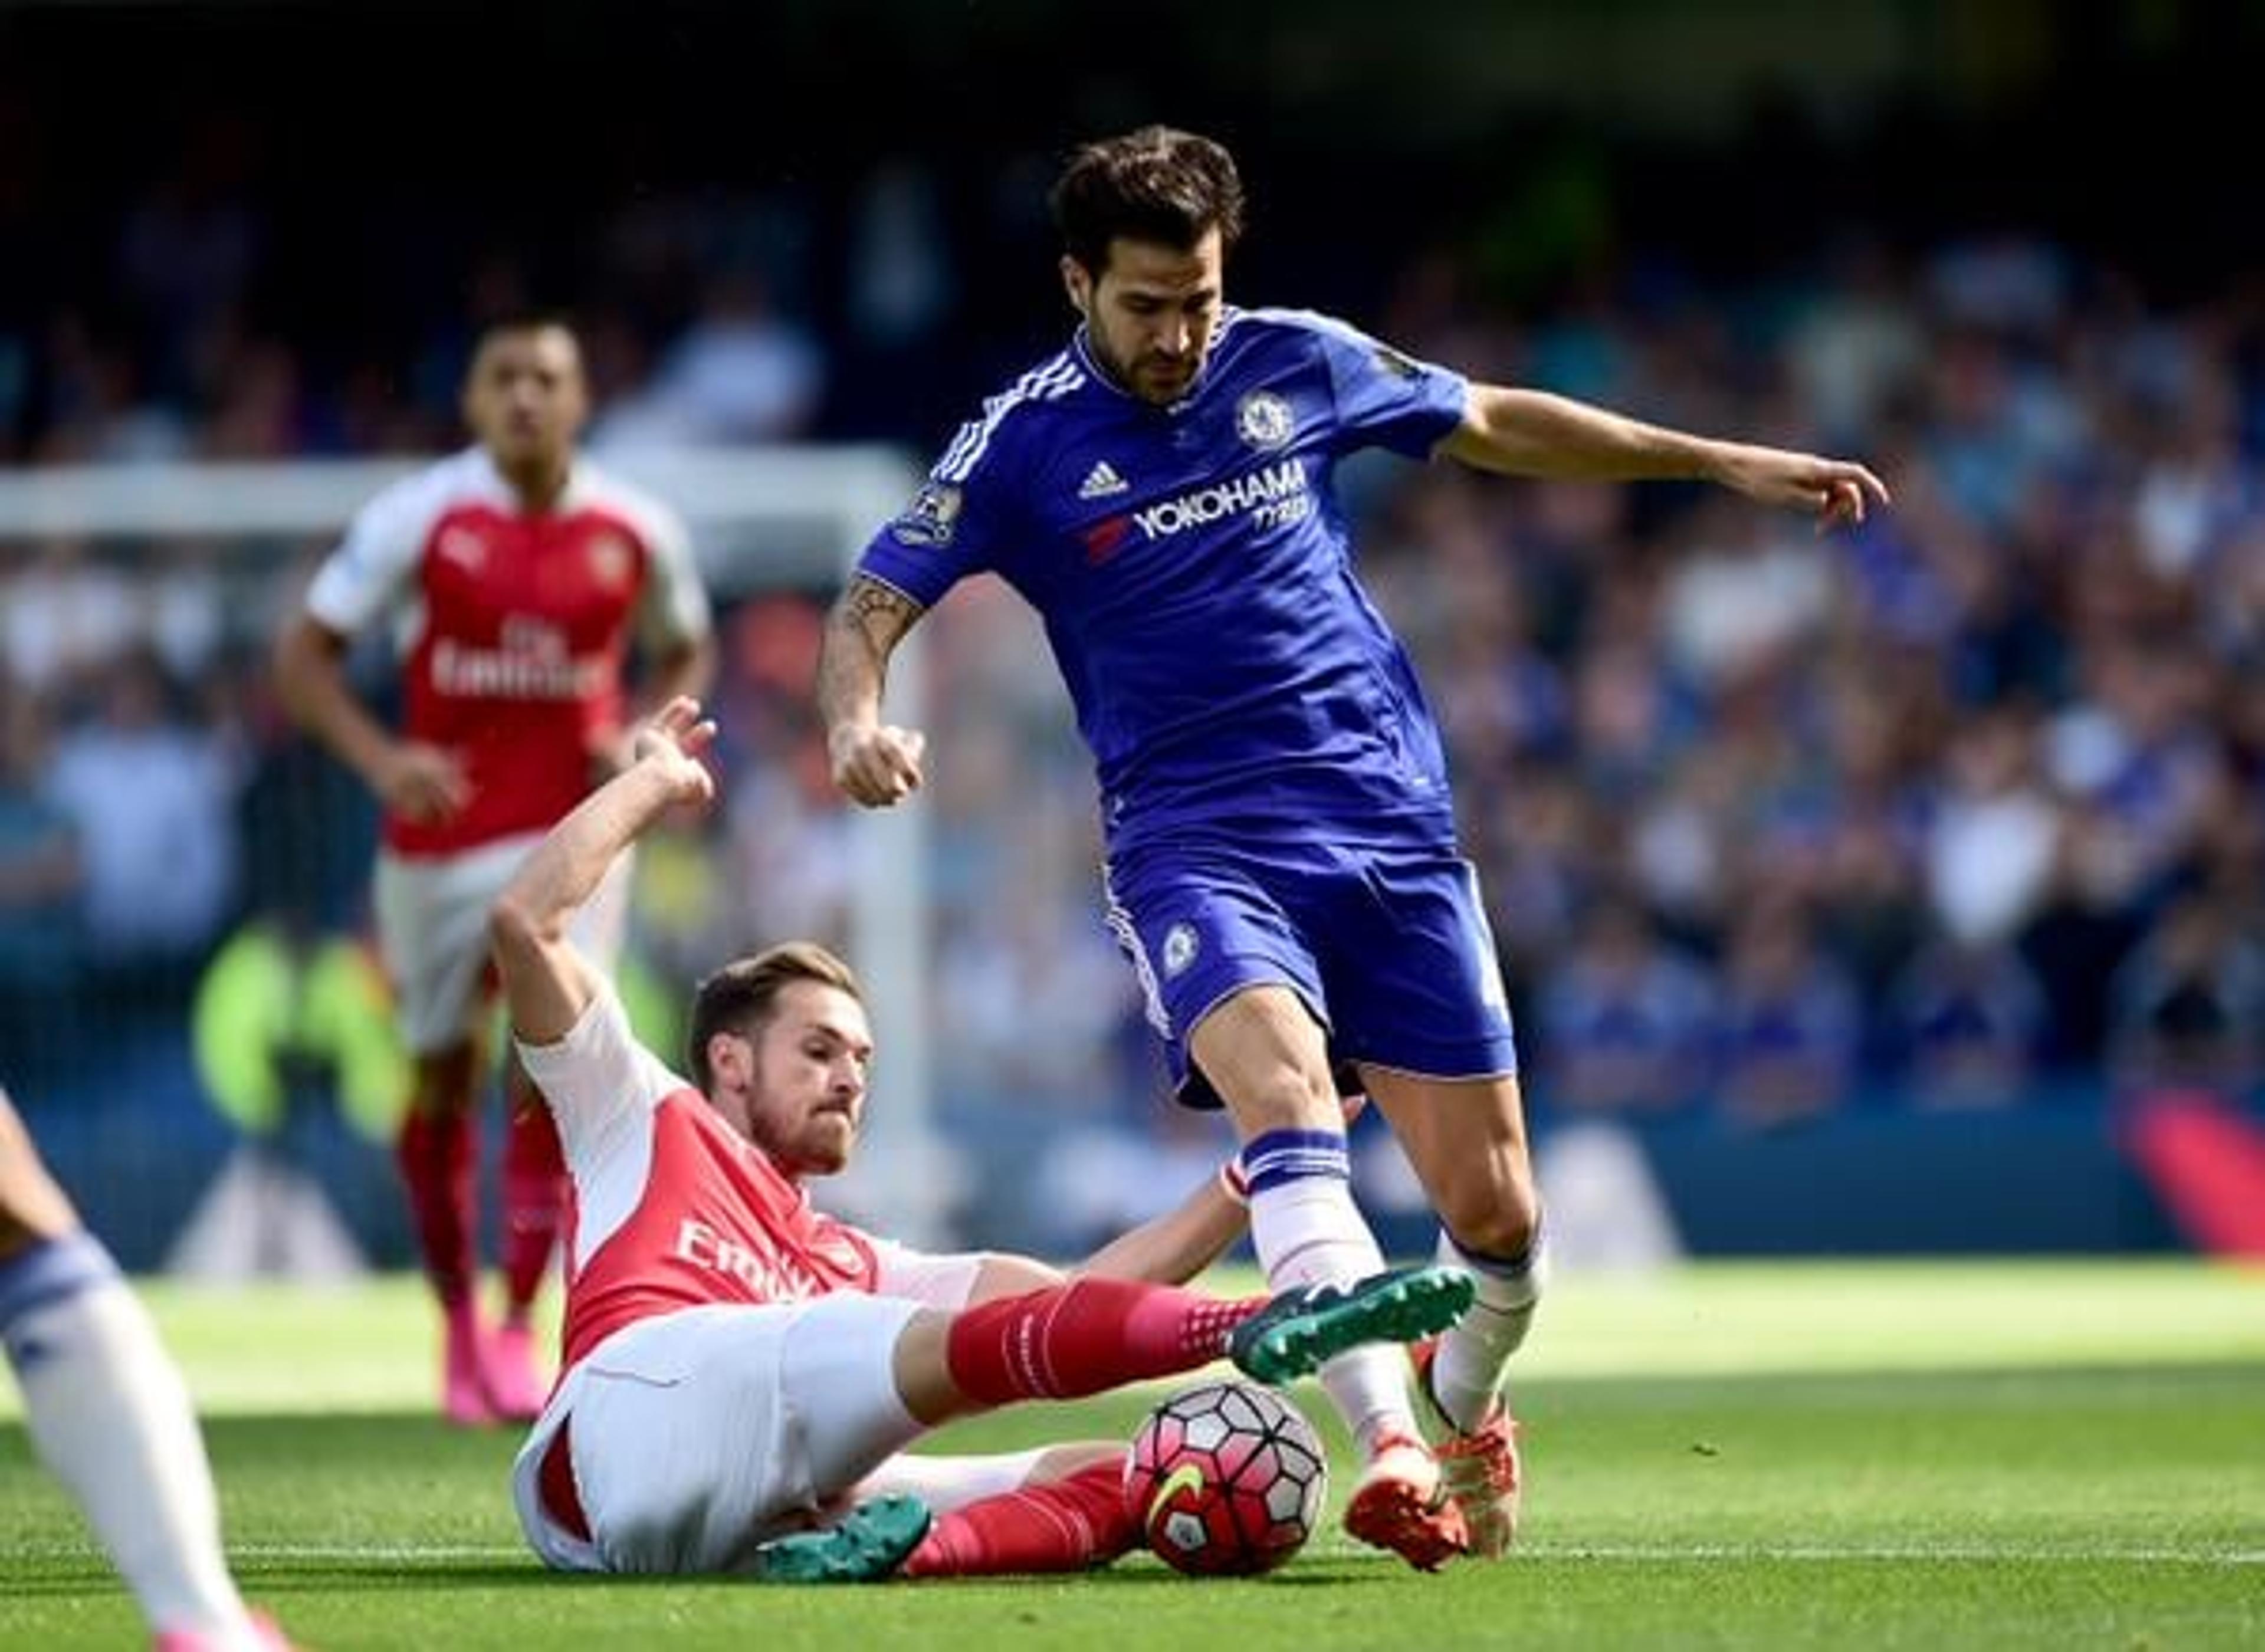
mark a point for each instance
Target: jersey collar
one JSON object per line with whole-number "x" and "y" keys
{"x": 571, "y": 497}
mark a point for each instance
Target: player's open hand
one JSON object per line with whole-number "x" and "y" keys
{"x": 1834, "y": 490}
{"x": 422, "y": 784}
{"x": 875, "y": 765}
{"x": 670, "y": 744}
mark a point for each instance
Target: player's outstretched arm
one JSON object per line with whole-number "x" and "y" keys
{"x": 1176, "y": 1247}
{"x": 874, "y": 763}
{"x": 1532, "y": 433}
{"x": 547, "y": 982}
{"x": 1168, "y": 1249}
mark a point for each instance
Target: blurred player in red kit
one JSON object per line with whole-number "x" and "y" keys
{"x": 517, "y": 581}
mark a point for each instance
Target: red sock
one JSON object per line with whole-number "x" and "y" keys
{"x": 434, "y": 1152}
{"x": 1086, "y": 1338}
{"x": 1064, "y": 1525}
{"x": 533, "y": 1202}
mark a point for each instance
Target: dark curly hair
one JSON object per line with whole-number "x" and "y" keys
{"x": 1158, "y": 184}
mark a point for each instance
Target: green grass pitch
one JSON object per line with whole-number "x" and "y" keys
{"x": 1931, "y": 1456}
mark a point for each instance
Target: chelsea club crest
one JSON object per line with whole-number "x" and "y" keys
{"x": 1262, "y": 420}
{"x": 1179, "y": 949}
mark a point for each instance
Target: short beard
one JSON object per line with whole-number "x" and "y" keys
{"x": 1107, "y": 360}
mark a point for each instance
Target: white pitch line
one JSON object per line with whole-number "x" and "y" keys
{"x": 1885, "y": 1553}
{"x": 1965, "y": 1554}
{"x": 368, "y": 1554}
{"x": 1976, "y": 1554}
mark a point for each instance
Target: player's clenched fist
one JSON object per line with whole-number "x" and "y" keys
{"x": 877, "y": 764}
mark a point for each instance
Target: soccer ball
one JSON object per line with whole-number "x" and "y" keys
{"x": 1226, "y": 1480}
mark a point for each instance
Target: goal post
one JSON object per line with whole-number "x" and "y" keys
{"x": 761, "y": 517}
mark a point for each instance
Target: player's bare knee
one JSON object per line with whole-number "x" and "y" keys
{"x": 1494, "y": 1215}
{"x": 920, "y": 1365}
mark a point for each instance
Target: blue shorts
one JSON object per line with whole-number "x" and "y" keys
{"x": 1389, "y": 948}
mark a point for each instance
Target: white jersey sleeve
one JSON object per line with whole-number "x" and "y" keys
{"x": 673, "y": 606}
{"x": 600, "y": 1083}
{"x": 917, "y": 1276}
{"x": 371, "y": 571}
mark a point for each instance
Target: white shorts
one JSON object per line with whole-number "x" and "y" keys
{"x": 431, "y": 914}
{"x": 699, "y": 1434}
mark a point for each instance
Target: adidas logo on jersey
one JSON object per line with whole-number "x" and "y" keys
{"x": 1100, "y": 481}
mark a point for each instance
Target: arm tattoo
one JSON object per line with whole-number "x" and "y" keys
{"x": 883, "y": 612}
{"x": 867, "y": 622}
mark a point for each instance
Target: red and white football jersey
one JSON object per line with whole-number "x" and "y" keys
{"x": 513, "y": 628}
{"x": 672, "y": 1207}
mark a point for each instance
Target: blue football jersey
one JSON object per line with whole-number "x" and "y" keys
{"x": 1195, "y": 575}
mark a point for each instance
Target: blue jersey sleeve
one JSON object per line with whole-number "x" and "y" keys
{"x": 952, "y": 527}
{"x": 1384, "y": 398}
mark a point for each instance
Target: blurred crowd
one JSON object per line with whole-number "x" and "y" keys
{"x": 1958, "y": 810}
{"x": 1965, "y": 800}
